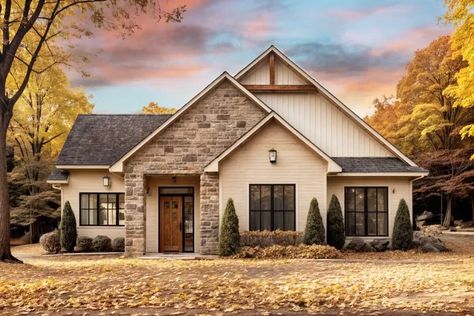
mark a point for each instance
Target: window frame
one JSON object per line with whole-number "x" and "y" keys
{"x": 366, "y": 211}
{"x": 97, "y": 194}
{"x": 272, "y": 207}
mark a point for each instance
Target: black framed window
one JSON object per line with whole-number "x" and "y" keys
{"x": 102, "y": 209}
{"x": 272, "y": 207}
{"x": 366, "y": 211}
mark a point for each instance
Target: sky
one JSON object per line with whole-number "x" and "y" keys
{"x": 358, "y": 50}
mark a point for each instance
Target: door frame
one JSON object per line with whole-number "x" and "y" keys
{"x": 181, "y": 195}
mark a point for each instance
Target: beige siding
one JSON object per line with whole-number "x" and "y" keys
{"x": 152, "y": 224}
{"x": 297, "y": 164}
{"x": 325, "y": 125}
{"x": 284, "y": 75}
{"x": 90, "y": 181}
{"x": 398, "y": 188}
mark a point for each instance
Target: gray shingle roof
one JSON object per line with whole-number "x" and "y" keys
{"x": 58, "y": 175}
{"x": 104, "y": 139}
{"x": 375, "y": 164}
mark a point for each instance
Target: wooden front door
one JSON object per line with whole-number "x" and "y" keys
{"x": 171, "y": 211}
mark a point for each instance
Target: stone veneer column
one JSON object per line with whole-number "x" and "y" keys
{"x": 209, "y": 213}
{"x": 135, "y": 206}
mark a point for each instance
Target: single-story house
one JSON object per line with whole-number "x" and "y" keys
{"x": 270, "y": 137}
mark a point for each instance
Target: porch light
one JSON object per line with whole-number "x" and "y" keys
{"x": 106, "y": 180}
{"x": 272, "y": 155}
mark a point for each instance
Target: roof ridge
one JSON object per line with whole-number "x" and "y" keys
{"x": 137, "y": 114}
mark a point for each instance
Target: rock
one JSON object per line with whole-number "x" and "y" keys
{"x": 428, "y": 247}
{"x": 420, "y": 224}
{"x": 425, "y": 216}
{"x": 428, "y": 243}
{"x": 359, "y": 245}
{"x": 380, "y": 245}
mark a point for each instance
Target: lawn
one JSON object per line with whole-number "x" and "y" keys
{"x": 368, "y": 283}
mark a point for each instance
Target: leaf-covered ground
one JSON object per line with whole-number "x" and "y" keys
{"x": 370, "y": 283}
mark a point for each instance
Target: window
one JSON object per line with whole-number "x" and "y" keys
{"x": 102, "y": 209}
{"x": 272, "y": 207}
{"x": 366, "y": 211}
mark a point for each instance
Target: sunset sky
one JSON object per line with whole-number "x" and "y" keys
{"x": 356, "y": 49}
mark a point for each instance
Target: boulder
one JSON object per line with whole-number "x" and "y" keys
{"x": 429, "y": 243}
{"x": 425, "y": 216}
{"x": 429, "y": 248}
{"x": 380, "y": 245}
{"x": 359, "y": 245}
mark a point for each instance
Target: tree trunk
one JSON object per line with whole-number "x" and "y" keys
{"x": 449, "y": 212}
{"x": 472, "y": 206}
{"x": 5, "y": 252}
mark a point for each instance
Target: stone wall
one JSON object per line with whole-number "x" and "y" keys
{"x": 204, "y": 131}
{"x": 209, "y": 213}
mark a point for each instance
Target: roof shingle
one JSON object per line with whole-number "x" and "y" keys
{"x": 375, "y": 164}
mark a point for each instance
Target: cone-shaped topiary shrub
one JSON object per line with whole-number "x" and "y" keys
{"x": 229, "y": 239}
{"x": 68, "y": 229}
{"x": 402, "y": 237}
{"x": 335, "y": 222}
{"x": 314, "y": 231}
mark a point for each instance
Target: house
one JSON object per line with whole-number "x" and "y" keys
{"x": 271, "y": 138}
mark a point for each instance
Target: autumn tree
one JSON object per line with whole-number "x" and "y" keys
{"x": 28, "y": 27}
{"x": 154, "y": 108}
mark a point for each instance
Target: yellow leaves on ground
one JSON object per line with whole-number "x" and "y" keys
{"x": 445, "y": 284}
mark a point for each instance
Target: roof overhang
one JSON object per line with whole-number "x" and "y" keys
{"x": 381, "y": 174}
{"x": 213, "y": 166}
{"x": 69, "y": 167}
{"x": 330, "y": 96}
{"x": 118, "y": 166}
{"x": 58, "y": 181}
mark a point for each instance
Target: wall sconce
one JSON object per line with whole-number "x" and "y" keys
{"x": 393, "y": 191}
{"x": 173, "y": 179}
{"x": 106, "y": 181}
{"x": 272, "y": 155}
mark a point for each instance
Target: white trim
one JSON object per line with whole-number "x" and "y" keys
{"x": 57, "y": 182}
{"x": 118, "y": 166}
{"x": 66, "y": 167}
{"x": 330, "y": 96}
{"x": 381, "y": 174}
{"x": 213, "y": 166}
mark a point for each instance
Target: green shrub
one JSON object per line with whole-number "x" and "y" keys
{"x": 229, "y": 239}
{"x": 68, "y": 229}
{"x": 335, "y": 222}
{"x": 402, "y": 237}
{"x": 314, "y": 231}
{"x": 50, "y": 242}
{"x": 101, "y": 243}
{"x": 84, "y": 244}
{"x": 118, "y": 244}
{"x": 268, "y": 238}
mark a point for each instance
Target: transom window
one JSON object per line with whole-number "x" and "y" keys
{"x": 366, "y": 211}
{"x": 272, "y": 207}
{"x": 102, "y": 209}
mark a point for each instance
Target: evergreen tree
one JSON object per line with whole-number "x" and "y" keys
{"x": 335, "y": 222}
{"x": 68, "y": 228}
{"x": 229, "y": 239}
{"x": 314, "y": 231}
{"x": 402, "y": 237}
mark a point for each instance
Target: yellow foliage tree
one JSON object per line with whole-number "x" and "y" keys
{"x": 154, "y": 108}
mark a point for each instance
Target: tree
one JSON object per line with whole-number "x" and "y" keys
{"x": 335, "y": 222}
{"x": 229, "y": 239}
{"x": 68, "y": 232}
{"x": 314, "y": 231}
{"x": 154, "y": 108}
{"x": 28, "y": 27}
{"x": 402, "y": 237}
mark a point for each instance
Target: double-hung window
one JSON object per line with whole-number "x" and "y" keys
{"x": 366, "y": 211}
{"x": 272, "y": 207}
{"x": 102, "y": 209}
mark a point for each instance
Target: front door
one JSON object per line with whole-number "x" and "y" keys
{"x": 171, "y": 211}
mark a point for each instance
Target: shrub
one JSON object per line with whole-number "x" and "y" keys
{"x": 402, "y": 237}
{"x": 50, "y": 242}
{"x": 314, "y": 231}
{"x": 101, "y": 243}
{"x": 84, "y": 244}
{"x": 229, "y": 239}
{"x": 335, "y": 222}
{"x": 118, "y": 244}
{"x": 68, "y": 228}
{"x": 268, "y": 238}
{"x": 290, "y": 252}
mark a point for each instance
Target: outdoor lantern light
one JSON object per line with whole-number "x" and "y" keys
{"x": 106, "y": 181}
{"x": 272, "y": 155}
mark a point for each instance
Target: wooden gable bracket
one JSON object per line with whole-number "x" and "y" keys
{"x": 271, "y": 66}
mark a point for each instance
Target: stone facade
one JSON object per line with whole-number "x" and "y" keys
{"x": 184, "y": 148}
{"x": 209, "y": 213}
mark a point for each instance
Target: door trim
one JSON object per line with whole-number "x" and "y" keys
{"x": 182, "y": 195}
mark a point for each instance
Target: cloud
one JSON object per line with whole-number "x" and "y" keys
{"x": 349, "y": 15}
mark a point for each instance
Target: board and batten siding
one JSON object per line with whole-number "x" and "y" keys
{"x": 325, "y": 125}
{"x": 284, "y": 75}
{"x": 398, "y": 188}
{"x": 91, "y": 181}
{"x": 296, "y": 164}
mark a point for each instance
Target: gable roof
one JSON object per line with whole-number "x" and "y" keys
{"x": 118, "y": 164}
{"x": 330, "y": 96}
{"x": 375, "y": 165}
{"x": 213, "y": 166}
{"x": 97, "y": 141}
